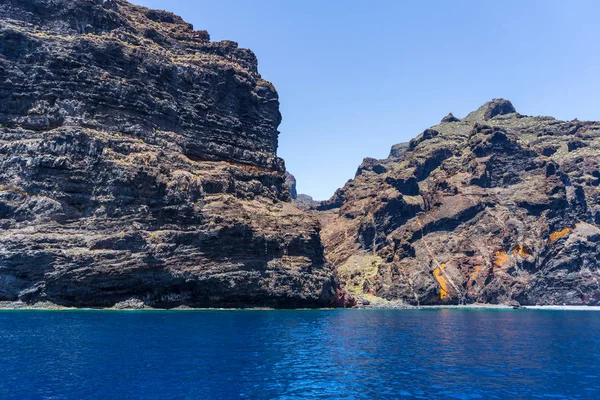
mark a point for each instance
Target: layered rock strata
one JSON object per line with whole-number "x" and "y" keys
{"x": 138, "y": 164}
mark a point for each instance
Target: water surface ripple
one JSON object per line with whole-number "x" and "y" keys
{"x": 342, "y": 354}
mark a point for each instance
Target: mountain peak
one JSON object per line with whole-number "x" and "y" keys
{"x": 491, "y": 109}
{"x": 449, "y": 118}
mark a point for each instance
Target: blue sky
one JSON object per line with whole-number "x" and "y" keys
{"x": 355, "y": 77}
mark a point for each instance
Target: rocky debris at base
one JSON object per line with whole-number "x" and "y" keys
{"x": 19, "y": 305}
{"x": 130, "y": 304}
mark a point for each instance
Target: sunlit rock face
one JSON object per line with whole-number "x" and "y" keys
{"x": 495, "y": 207}
{"x": 138, "y": 165}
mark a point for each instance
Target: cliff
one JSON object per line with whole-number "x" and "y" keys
{"x": 138, "y": 167}
{"x": 138, "y": 164}
{"x": 497, "y": 207}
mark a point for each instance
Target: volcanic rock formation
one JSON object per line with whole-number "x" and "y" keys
{"x": 496, "y": 207}
{"x": 138, "y": 165}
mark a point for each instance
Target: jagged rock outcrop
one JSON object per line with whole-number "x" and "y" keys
{"x": 305, "y": 202}
{"x": 290, "y": 181}
{"x": 138, "y": 166}
{"x": 302, "y": 201}
{"x": 496, "y": 207}
{"x": 450, "y": 118}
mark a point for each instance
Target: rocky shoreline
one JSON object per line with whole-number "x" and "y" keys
{"x": 45, "y": 306}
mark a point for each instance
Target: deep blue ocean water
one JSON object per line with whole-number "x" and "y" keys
{"x": 330, "y": 354}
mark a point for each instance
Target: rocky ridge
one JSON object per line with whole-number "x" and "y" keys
{"x": 138, "y": 166}
{"x": 497, "y": 207}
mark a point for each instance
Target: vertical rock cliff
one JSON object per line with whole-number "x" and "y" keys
{"x": 496, "y": 207}
{"x": 138, "y": 163}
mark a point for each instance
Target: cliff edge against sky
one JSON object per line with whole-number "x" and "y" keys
{"x": 138, "y": 164}
{"x": 493, "y": 208}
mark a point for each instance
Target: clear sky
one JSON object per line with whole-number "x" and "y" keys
{"x": 355, "y": 77}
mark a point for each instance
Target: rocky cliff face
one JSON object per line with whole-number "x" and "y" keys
{"x": 138, "y": 162}
{"x": 495, "y": 207}
{"x": 138, "y": 167}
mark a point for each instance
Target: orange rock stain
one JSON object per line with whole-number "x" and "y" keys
{"x": 521, "y": 250}
{"x": 441, "y": 281}
{"x": 559, "y": 235}
{"x": 500, "y": 259}
{"x": 474, "y": 274}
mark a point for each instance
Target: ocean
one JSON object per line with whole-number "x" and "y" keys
{"x": 301, "y": 354}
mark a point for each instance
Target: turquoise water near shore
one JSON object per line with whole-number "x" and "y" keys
{"x": 311, "y": 354}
